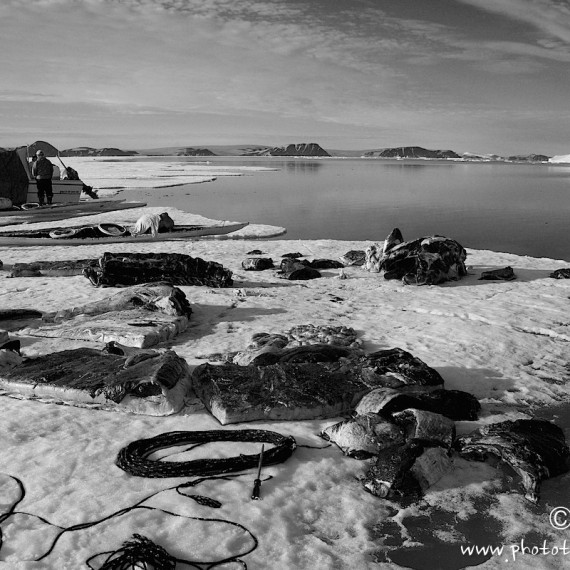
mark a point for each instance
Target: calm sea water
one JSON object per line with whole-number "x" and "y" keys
{"x": 516, "y": 208}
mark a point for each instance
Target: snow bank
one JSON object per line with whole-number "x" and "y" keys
{"x": 505, "y": 342}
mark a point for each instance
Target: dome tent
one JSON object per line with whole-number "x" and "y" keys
{"x": 48, "y": 149}
{"x": 13, "y": 177}
{"x": 15, "y": 170}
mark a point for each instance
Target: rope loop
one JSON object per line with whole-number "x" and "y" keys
{"x": 134, "y": 458}
{"x": 140, "y": 552}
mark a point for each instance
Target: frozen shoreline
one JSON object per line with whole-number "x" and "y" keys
{"x": 128, "y": 173}
{"x": 505, "y": 342}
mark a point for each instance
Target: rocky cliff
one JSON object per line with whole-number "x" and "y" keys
{"x": 411, "y": 152}
{"x": 302, "y": 149}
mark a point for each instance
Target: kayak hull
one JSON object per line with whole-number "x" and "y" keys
{"x": 181, "y": 233}
{"x": 64, "y": 211}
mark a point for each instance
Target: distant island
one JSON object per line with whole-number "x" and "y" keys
{"x": 303, "y": 149}
{"x": 88, "y": 151}
{"x": 496, "y": 158}
{"x": 315, "y": 150}
{"x": 190, "y": 151}
{"x": 424, "y": 153}
{"x": 411, "y": 152}
{"x": 298, "y": 149}
{"x": 311, "y": 149}
{"x": 529, "y": 158}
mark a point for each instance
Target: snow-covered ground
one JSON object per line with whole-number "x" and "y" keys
{"x": 110, "y": 174}
{"x": 505, "y": 342}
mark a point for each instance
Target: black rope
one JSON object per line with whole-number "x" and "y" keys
{"x": 139, "y": 550}
{"x": 134, "y": 457}
{"x": 143, "y": 551}
{"x": 12, "y": 509}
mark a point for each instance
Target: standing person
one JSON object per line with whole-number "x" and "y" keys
{"x": 42, "y": 171}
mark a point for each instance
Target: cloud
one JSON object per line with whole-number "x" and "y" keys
{"x": 190, "y": 55}
{"x": 176, "y": 68}
{"x": 179, "y": 56}
{"x": 551, "y": 17}
{"x": 505, "y": 57}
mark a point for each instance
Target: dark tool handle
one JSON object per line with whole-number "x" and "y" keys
{"x": 257, "y": 482}
{"x": 256, "y": 489}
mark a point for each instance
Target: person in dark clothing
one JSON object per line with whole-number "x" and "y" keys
{"x": 42, "y": 171}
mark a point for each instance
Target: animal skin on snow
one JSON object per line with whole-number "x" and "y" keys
{"x": 155, "y": 297}
{"x": 535, "y": 449}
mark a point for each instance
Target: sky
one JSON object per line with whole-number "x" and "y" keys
{"x": 483, "y": 76}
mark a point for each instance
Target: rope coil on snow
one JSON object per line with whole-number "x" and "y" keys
{"x": 63, "y": 233}
{"x": 139, "y": 552}
{"x": 134, "y": 457}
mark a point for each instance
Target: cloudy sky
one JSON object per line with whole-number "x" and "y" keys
{"x": 469, "y": 75}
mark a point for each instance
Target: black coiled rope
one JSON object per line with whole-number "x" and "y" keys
{"x": 139, "y": 552}
{"x": 134, "y": 457}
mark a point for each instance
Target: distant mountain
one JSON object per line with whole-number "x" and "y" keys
{"x": 189, "y": 151}
{"x": 180, "y": 151}
{"x": 411, "y": 152}
{"x": 482, "y": 157}
{"x": 293, "y": 150}
{"x": 88, "y": 151}
{"x": 529, "y": 158}
{"x": 302, "y": 149}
